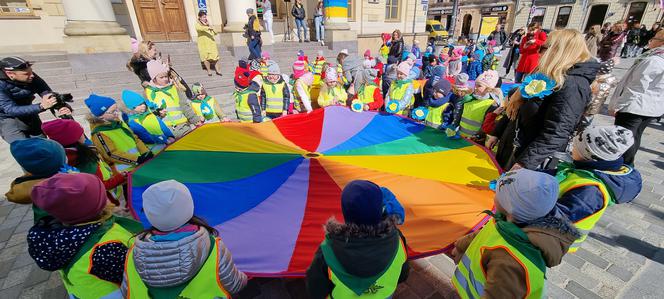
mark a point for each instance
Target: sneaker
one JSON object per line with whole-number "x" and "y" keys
{"x": 300, "y": 41}
{"x": 306, "y": 41}
{"x": 322, "y": 43}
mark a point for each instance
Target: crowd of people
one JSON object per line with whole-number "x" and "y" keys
{"x": 562, "y": 171}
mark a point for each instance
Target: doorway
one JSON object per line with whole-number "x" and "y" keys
{"x": 635, "y": 13}
{"x": 162, "y": 20}
{"x": 596, "y": 16}
{"x": 467, "y": 21}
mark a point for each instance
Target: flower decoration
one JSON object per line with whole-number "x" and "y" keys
{"x": 536, "y": 86}
{"x": 69, "y": 169}
{"x": 357, "y": 106}
{"x": 419, "y": 113}
{"x": 392, "y": 106}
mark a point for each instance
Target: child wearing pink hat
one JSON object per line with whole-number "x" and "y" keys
{"x": 455, "y": 64}
{"x": 80, "y": 237}
{"x": 475, "y": 106}
{"x": 332, "y": 93}
{"x": 399, "y": 98}
{"x": 304, "y": 79}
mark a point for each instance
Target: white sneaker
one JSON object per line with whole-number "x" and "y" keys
{"x": 322, "y": 43}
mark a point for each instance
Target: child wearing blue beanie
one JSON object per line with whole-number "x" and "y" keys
{"x": 146, "y": 123}
{"x": 358, "y": 256}
{"x": 40, "y": 158}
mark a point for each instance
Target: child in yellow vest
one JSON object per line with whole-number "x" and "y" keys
{"x": 369, "y": 93}
{"x": 367, "y": 253}
{"x": 302, "y": 86}
{"x": 116, "y": 143}
{"x": 206, "y": 106}
{"x": 145, "y": 123}
{"x": 275, "y": 92}
{"x": 400, "y": 96}
{"x": 180, "y": 256}
{"x": 80, "y": 238}
{"x": 164, "y": 95}
{"x": 597, "y": 178}
{"x": 473, "y": 108}
{"x": 247, "y": 105}
{"x": 331, "y": 93}
{"x": 508, "y": 257}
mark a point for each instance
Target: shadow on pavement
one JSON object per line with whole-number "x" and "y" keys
{"x": 635, "y": 245}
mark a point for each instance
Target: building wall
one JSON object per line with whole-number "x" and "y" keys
{"x": 370, "y": 18}
{"x": 41, "y": 32}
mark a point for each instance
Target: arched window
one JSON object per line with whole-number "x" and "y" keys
{"x": 467, "y": 21}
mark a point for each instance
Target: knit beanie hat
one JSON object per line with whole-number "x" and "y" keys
{"x": 265, "y": 55}
{"x": 362, "y": 203}
{"x": 443, "y": 86}
{"x": 300, "y": 53}
{"x": 132, "y": 99}
{"x": 99, "y": 104}
{"x": 404, "y": 68}
{"x": 461, "y": 80}
{"x": 487, "y": 79}
{"x": 526, "y": 194}
{"x": 168, "y": 205}
{"x": 71, "y": 198}
{"x": 156, "y": 67}
{"x": 298, "y": 69}
{"x": 273, "y": 68}
{"x": 39, "y": 156}
{"x": 64, "y": 131}
{"x": 331, "y": 75}
{"x": 367, "y": 53}
{"x": 242, "y": 77}
{"x": 606, "y": 143}
{"x": 250, "y": 11}
{"x": 197, "y": 89}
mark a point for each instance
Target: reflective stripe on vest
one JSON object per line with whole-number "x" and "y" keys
{"x": 435, "y": 116}
{"x": 208, "y": 112}
{"x": 242, "y": 108}
{"x": 332, "y": 96}
{"x": 473, "y": 116}
{"x": 107, "y": 173}
{"x": 469, "y": 277}
{"x": 574, "y": 178}
{"x": 170, "y": 102}
{"x": 397, "y": 93}
{"x": 385, "y": 285}
{"x": 366, "y": 95}
{"x": 79, "y": 282}
{"x": 206, "y": 283}
{"x": 274, "y": 93}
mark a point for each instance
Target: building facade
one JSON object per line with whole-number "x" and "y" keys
{"x": 474, "y": 17}
{"x": 98, "y": 26}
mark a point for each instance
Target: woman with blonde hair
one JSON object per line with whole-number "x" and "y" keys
{"x": 545, "y": 119}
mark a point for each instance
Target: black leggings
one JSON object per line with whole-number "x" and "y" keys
{"x": 637, "y": 124}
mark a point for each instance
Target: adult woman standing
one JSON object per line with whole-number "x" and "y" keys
{"x": 319, "y": 17}
{"x": 593, "y": 37}
{"x": 608, "y": 46}
{"x": 513, "y": 55}
{"x": 543, "y": 124}
{"x": 138, "y": 64}
{"x": 396, "y": 48}
{"x": 268, "y": 17}
{"x": 300, "y": 16}
{"x": 207, "y": 47}
{"x": 530, "y": 51}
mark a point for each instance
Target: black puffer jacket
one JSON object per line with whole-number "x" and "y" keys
{"x": 396, "y": 50}
{"x": 298, "y": 12}
{"x": 16, "y": 101}
{"x": 545, "y": 126}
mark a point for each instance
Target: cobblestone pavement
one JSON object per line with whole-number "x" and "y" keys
{"x": 623, "y": 257}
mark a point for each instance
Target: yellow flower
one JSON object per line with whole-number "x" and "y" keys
{"x": 535, "y": 87}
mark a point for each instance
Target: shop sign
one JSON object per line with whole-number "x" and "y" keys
{"x": 552, "y": 2}
{"x": 501, "y": 8}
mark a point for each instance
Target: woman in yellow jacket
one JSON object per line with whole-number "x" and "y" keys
{"x": 207, "y": 47}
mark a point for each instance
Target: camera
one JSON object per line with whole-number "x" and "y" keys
{"x": 61, "y": 101}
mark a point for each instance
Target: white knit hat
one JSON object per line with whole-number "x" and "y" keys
{"x": 168, "y": 205}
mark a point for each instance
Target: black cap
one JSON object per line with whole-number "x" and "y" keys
{"x": 14, "y": 63}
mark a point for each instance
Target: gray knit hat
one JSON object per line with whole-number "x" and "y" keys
{"x": 250, "y": 11}
{"x": 273, "y": 68}
{"x": 605, "y": 143}
{"x": 526, "y": 194}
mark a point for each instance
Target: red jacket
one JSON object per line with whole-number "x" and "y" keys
{"x": 114, "y": 181}
{"x": 377, "y": 102}
{"x": 530, "y": 54}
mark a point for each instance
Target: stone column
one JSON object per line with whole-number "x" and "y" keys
{"x": 92, "y": 28}
{"x": 338, "y": 35}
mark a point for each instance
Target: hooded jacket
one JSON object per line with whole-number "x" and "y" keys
{"x": 640, "y": 89}
{"x": 361, "y": 251}
{"x": 175, "y": 259}
{"x": 545, "y": 125}
{"x": 505, "y": 276}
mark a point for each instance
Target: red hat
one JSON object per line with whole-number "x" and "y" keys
{"x": 71, "y": 198}
{"x": 242, "y": 77}
{"x": 64, "y": 131}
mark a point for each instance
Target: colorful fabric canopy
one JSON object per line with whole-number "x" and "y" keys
{"x": 269, "y": 188}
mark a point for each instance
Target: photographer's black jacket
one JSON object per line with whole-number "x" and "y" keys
{"x": 16, "y": 98}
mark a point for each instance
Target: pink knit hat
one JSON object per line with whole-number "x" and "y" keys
{"x": 404, "y": 68}
{"x": 64, "y": 131}
{"x": 488, "y": 79}
{"x": 331, "y": 75}
{"x": 156, "y": 67}
{"x": 298, "y": 69}
{"x": 71, "y": 198}
{"x": 367, "y": 53}
{"x": 265, "y": 55}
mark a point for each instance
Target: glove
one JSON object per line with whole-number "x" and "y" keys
{"x": 144, "y": 157}
{"x": 391, "y": 206}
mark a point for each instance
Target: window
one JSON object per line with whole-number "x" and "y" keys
{"x": 635, "y": 13}
{"x": 351, "y": 10}
{"x": 538, "y": 15}
{"x": 563, "y": 16}
{"x": 15, "y": 8}
{"x": 392, "y": 10}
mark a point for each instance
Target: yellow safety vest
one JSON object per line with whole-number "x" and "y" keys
{"x": 318, "y": 66}
{"x": 398, "y": 92}
{"x": 206, "y": 284}
{"x": 307, "y": 90}
{"x": 385, "y": 285}
{"x": 77, "y": 278}
{"x": 570, "y": 178}
{"x": 107, "y": 173}
{"x": 470, "y": 278}
{"x": 206, "y": 111}
{"x": 340, "y": 73}
{"x": 473, "y": 115}
{"x": 366, "y": 94}
{"x": 274, "y": 93}
{"x": 242, "y": 108}
{"x": 434, "y": 118}
{"x": 168, "y": 99}
{"x": 333, "y": 96}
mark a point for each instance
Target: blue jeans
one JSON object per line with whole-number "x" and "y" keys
{"x": 254, "y": 48}
{"x": 320, "y": 28}
{"x": 302, "y": 24}
{"x": 518, "y": 76}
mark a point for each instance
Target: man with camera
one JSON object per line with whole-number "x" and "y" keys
{"x": 19, "y": 117}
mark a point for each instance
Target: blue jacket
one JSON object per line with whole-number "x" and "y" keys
{"x": 144, "y": 135}
{"x": 16, "y": 98}
{"x": 623, "y": 182}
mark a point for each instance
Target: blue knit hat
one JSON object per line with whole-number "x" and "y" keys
{"x": 131, "y": 99}
{"x": 527, "y": 194}
{"x": 39, "y": 156}
{"x": 362, "y": 203}
{"x": 99, "y": 104}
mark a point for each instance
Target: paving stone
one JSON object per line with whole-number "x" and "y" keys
{"x": 16, "y": 276}
{"x": 23, "y": 259}
{"x": 5, "y": 267}
{"x": 556, "y": 277}
{"x": 573, "y": 274}
{"x": 10, "y": 253}
{"x": 555, "y": 292}
{"x": 17, "y": 238}
{"x": 607, "y": 292}
{"x": 6, "y": 234}
{"x": 11, "y": 292}
{"x": 404, "y": 292}
{"x": 4, "y": 210}
{"x": 604, "y": 277}
{"x": 574, "y": 260}
{"x": 24, "y": 226}
{"x": 419, "y": 284}
{"x": 56, "y": 293}
{"x": 620, "y": 272}
{"x": 579, "y": 291}
{"x": 591, "y": 258}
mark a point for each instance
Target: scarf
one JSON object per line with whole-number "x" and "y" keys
{"x": 206, "y": 109}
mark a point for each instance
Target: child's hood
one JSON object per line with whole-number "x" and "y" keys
{"x": 53, "y": 246}
{"x": 552, "y": 234}
{"x": 624, "y": 184}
